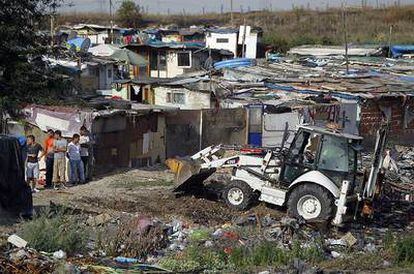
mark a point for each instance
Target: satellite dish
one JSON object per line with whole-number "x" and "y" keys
{"x": 80, "y": 44}
{"x": 72, "y": 35}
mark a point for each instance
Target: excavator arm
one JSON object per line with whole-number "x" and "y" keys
{"x": 377, "y": 161}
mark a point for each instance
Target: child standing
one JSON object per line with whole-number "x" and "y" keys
{"x": 77, "y": 171}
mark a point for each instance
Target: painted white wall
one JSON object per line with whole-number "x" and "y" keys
{"x": 96, "y": 39}
{"x": 192, "y": 99}
{"x": 172, "y": 69}
{"x": 211, "y": 41}
{"x": 172, "y": 65}
{"x": 163, "y": 74}
{"x": 105, "y": 79}
{"x": 251, "y": 40}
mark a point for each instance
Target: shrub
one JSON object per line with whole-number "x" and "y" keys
{"x": 130, "y": 241}
{"x": 52, "y": 233}
{"x": 240, "y": 258}
{"x": 404, "y": 251}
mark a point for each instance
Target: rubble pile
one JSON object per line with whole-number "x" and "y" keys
{"x": 142, "y": 243}
{"x": 20, "y": 261}
{"x": 400, "y": 174}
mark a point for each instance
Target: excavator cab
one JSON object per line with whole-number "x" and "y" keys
{"x": 332, "y": 153}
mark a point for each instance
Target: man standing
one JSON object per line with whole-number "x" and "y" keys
{"x": 59, "y": 161}
{"x": 32, "y": 164}
{"x": 77, "y": 171}
{"x": 84, "y": 142}
{"x": 48, "y": 145}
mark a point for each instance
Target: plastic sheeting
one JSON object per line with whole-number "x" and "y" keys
{"x": 69, "y": 122}
{"x": 399, "y": 50}
{"x": 235, "y": 63}
{"x": 15, "y": 194}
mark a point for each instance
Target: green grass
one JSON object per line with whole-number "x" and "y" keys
{"x": 240, "y": 258}
{"x": 403, "y": 251}
{"x": 54, "y": 232}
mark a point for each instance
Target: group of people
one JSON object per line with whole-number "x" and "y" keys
{"x": 55, "y": 150}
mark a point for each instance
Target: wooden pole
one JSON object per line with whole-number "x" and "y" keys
{"x": 231, "y": 13}
{"x": 112, "y": 22}
{"x": 244, "y": 38}
{"x": 345, "y": 37}
{"x": 389, "y": 41}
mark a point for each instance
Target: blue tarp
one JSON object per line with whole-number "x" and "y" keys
{"x": 398, "y": 50}
{"x": 235, "y": 63}
{"x": 80, "y": 44}
{"x": 160, "y": 44}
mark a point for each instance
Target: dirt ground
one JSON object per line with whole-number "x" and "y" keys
{"x": 147, "y": 192}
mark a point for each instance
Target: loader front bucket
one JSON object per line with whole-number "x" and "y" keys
{"x": 188, "y": 174}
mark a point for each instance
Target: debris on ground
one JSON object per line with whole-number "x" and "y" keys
{"x": 16, "y": 241}
{"x": 150, "y": 229}
{"x": 400, "y": 174}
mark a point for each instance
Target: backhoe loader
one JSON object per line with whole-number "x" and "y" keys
{"x": 316, "y": 177}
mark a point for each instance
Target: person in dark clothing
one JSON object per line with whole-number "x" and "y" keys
{"x": 32, "y": 162}
{"x": 49, "y": 152}
{"x": 84, "y": 152}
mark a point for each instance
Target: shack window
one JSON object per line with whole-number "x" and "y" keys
{"x": 163, "y": 60}
{"x": 222, "y": 40}
{"x": 179, "y": 98}
{"x": 158, "y": 60}
{"x": 184, "y": 59}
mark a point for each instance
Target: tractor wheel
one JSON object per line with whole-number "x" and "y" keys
{"x": 311, "y": 201}
{"x": 238, "y": 195}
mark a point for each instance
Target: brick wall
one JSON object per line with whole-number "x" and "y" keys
{"x": 372, "y": 116}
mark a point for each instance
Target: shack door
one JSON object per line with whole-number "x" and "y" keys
{"x": 255, "y": 125}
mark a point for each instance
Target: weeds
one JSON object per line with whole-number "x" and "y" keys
{"x": 131, "y": 241}
{"x": 403, "y": 251}
{"x": 271, "y": 254}
{"x": 240, "y": 258}
{"x": 356, "y": 261}
{"x": 53, "y": 232}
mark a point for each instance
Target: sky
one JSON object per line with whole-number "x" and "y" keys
{"x": 197, "y": 6}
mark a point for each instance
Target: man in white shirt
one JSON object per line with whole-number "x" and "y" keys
{"x": 77, "y": 174}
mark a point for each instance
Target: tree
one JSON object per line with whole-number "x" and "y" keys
{"x": 24, "y": 77}
{"x": 129, "y": 14}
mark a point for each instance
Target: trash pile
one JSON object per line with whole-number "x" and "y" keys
{"x": 143, "y": 244}
{"x": 20, "y": 259}
{"x": 399, "y": 163}
{"x": 303, "y": 242}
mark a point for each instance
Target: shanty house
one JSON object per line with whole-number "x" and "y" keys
{"x": 89, "y": 75}
{"x": 193, "y": 34}
{"x": 135, "y": 90}
{"x": 121, "y": 137}
{"x": 98, "y": 74}
{"x": 98, "y": 34}
{"x": 184, "y": 93}
{"x": 222, "y": 39}
{"x": 234, "y": 39}
{"x": 169, "y": 60}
